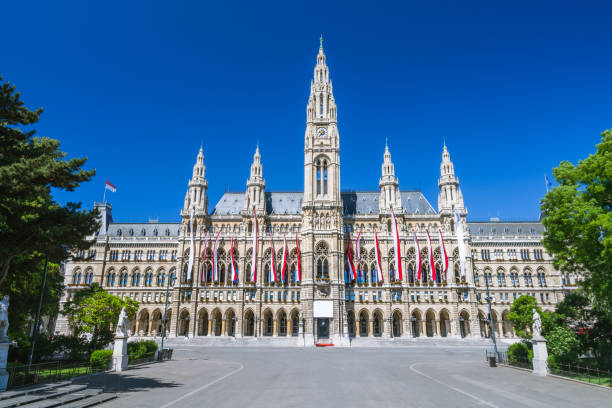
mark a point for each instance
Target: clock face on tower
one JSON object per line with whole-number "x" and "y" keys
{"x": 322, "y": 132}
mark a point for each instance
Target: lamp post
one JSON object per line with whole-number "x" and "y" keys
{"x": 165, "y": 313}
{"x": 488, "y": 299}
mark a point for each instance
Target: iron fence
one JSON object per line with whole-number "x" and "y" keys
{"x": 573, "y": 371}
{"x": 40, "y": 373}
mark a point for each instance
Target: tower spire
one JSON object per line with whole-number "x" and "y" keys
{"x": 321, "y": 41}
{"x": 196, "y": 196}
{"x": 256, "y": 186}
{"x": 450, "y": 193}
{"x": 389, "y": 185}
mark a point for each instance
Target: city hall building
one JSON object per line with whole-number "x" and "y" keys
{"x": 149, "y": 262}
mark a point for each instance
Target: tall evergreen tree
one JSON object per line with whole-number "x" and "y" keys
{"x": 31, "y": 221}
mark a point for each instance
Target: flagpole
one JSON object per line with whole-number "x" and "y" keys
{"x": 104, "y": 197}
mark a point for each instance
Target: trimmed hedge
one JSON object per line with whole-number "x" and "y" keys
{"x": 141, "y": 349}
{"x": 101, "y": 358}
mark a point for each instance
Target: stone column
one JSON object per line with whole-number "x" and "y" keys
{"x": 136, "y": 331}
{"x": 371, "y": 328}
{"x": 120, "y": 357}
{"x": 424, "y": 328}
{"x": 274, "y": 328}
{"x": 357, "y": 328}
{"x": 223, "y": 333}
{"x": 289, "y": 327}
{"x": 150, "y": 326}
{"x": 540, "y": 356}
{"x": 437, "y": 333}
{"x": 210, "y": 333}
{"x": 4, "y": 375}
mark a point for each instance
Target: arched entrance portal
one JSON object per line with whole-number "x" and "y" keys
{"x": 397, "y": 324}
{"x": 249, "y": 323}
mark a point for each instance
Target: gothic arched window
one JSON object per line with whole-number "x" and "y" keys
{"x": 322, "y": 263}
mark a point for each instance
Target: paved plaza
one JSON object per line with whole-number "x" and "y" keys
{"x": 419, "y": 376}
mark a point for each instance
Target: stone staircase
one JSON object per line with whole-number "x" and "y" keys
{"x": 224, "y": 341}
{"x": 64, "y": 394}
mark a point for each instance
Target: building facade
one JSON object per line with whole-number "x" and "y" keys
{"x": 149, "y": 262}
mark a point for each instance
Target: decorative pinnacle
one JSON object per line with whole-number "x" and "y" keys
{"x": 321, "y": 41}
{"x": 386, "y": 142}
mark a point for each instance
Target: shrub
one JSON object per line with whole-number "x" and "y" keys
{"x": 520, "y": 353}
{"x": 101, "y": 358}
{"x": 563, "y": 346}
{"x": 140, "y": 349}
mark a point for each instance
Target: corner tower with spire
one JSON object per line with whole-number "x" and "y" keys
{"x": 450, "y": 195}
{"x": 196, "y": 195}
{"x": 256, "y": 186}
{"x": 389, "y": 186}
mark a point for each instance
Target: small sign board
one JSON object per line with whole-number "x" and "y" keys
{"x": 323, "y": 308}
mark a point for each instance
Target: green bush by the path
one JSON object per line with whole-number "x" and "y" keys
{"x": 563, "y": 346}
{"x": 141, "y": 349}
{"x": 101, "y": 358}
{"x": 520, "y": 353}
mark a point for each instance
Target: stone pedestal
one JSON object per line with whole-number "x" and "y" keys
{"x": 120, "y": 357}
{"x": 4, "y": 346}
{"x": 540, "y": 356}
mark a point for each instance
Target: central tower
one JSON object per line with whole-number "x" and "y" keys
{"x": 321, "y": 141}
{"x": 322, "y": 239}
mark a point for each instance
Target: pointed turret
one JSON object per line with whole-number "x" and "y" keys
{"x": 321, "y": 103}
{"x": 450, "y": 195}
{"x": 196, "y": 195}
{"x": 389, "y": 186}
{"x": 256, "y": 186}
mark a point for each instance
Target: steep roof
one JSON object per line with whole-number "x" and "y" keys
{"x": 505, "y": 228}
{"x": 354, "y": 202}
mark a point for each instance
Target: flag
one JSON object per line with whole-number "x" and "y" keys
{"x": 432, "y": 265}
{"x": 443, "y": 252}
{"x": 110, "y": 187}
{"x": 379, "y": 274}
{"x": 460, "y": 243}
{"x": 204, "y": 277}
{"x": 284, "y": 261}
{"x": 254, "y": 258}
{"x": 349, "y": 254}
{"x": 272, "y": 277}
{"x": 298, "y": 278}
{"x": 417, "y": 255}
{"x": 215, "y": 247}
{"x": 192, "y": 248}
{"x": 547, "y": 182}
{"x": 396, "y": 246}
{"x": 357, "y": 248}
{"x": 234, "y": 270}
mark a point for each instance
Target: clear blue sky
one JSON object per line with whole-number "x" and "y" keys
{"x": 136, "y": 86}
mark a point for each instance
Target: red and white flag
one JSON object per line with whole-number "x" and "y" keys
{"x": 284, "y": 261}
{"x": 417, "y": 255}
{"x": 350, "y": 258}
{"x": 396, "y": 245}
{"x": 358, "y": 250}
{"x": 110, "y": 187}
{"x": 234, "y": 270}
{"x": 379, "y": 274}
{"x": 444, "y": 255}
{"x": 215, "y": 247}
{"x": 254, "y": 258}
{"x": 272, "y": 263}
{"x": 432, "y": 266}
{"x": 298, "y": 278}
{"x": 204, "y": 277}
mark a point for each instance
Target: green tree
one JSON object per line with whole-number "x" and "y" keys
{"x": 521, "y": 315}
{"x": 577, "y": 215}
{"x": 93, "y": 310}
{"x": 24, "y": 290}
{"x": 563, "y": 346}
{"x": 30, "y": 167}
{"x": 593, "y": 324}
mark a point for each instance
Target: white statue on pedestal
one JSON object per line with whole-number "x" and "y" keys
{"x": 536, "y": 328}
{"x": 4, "y": 342}
{"x": 120, "y": 357}
{"x": 122, "y": 324}
{"x": 4, "y": 322}
{"x": 540, "y": 352}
